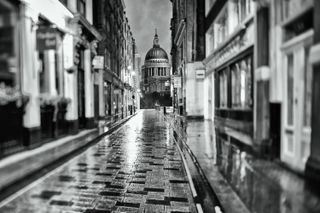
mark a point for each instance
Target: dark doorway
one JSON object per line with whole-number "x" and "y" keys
{"x": 81, "y": 99}
{"x": 275, "y": 129}
{"x": 96, "y": 102}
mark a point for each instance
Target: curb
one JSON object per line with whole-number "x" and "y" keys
{"x": 221, "y": 197}
{"x": 21, "y": 165}
{"x": 218, "y": 207}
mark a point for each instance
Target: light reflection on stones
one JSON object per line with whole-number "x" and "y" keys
{"x": 102, "y": 176}
{"x": 262, "y": 185}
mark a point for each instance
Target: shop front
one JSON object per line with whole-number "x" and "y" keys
{"x": 85, "y": 52}
{"x": 12, "y": 101}
{"x": 53, "y": 105}
{"x": 296, "y": 108}
{"x": 233, "y": 62}
{"x": 234, "y": 99}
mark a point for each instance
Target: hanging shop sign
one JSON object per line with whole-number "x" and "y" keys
{"x": 177, "y": 81}
{"x": 46, "y": 39}
{"x": 98, "y": 62}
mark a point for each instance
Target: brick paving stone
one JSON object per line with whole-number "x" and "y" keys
{"x": 135, "y": 169}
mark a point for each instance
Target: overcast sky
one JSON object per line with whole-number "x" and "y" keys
{"x": 146, "y": 15}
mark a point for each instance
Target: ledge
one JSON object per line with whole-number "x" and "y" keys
{"x": 15, "y": 167}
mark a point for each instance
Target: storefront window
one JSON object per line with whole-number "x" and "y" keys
{"x": 8, "y": 43}
{"x": 223, "y": 85}
{"x": 241, "y": 94}
{"x": 290, "y": 89}
{"x": 307, "y": 89}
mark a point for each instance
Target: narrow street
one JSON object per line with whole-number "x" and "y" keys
{"x": 135, "y": 169}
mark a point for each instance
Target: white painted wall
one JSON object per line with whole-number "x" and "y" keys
{"x": 51, "y": 70}
{"x": 88, "y": 85}
{"x": 101, "y": 96}
{"x": 29, "y": 69}
{"x": 70, "y": 79}
{"x": 194, "y": 88}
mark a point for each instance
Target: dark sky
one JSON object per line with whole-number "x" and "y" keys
{"x": 146, "y": 15}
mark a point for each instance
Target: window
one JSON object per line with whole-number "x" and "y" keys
{"x": 229, "y": 18}
{"x": 221, "y": 27}
{"x": 210, "y": 40}
{"x": 82, "y": 7}
{"x": 241, "y": 84}
{"x": 8, "y": 43}
{"x": 223, "y": 85}
{"x": 307, "y": 89}
{"x": 290, "y": 89}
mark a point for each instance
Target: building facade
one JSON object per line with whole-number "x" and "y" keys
{"x": 128, "y": 69}
{"x": 46, "y": 75}
{"x": 137, "y": 79}
{"x": 188, "y": 51}
{"x": 117, "y": 48}
{"x": 230, "y": 46}
{"x": 261, "y": 79}
{"x": 156, "y": 77}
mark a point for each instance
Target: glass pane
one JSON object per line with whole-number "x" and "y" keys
{"x": 290, "y": 90}
{"x": 307, "y": 90}
{"x": 233, "y": 87}
{"x": 243, "y": 87}
{"x": 249, "y": 84}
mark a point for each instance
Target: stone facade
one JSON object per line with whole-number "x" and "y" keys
{"x": 156, "y": 77}
{"x": 188, "y": 47}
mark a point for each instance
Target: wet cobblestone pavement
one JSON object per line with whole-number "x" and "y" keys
{"x": 136, "y": 169}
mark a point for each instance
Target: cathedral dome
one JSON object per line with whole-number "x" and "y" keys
{"x": 156, "y": 52}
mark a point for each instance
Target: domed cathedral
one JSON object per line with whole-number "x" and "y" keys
{"x": 156, "y": 77}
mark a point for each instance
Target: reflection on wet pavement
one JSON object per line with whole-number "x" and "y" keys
{"x": 135, "y": 169}
{"x": 262, "y": 185}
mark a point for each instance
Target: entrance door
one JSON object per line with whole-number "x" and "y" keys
{"x": 297, "y": 102}
{"x": 81, "y": 99}
{"x": 96, "y": 102}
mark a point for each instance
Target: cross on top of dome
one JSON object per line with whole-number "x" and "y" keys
{"x": 156, "y": 39}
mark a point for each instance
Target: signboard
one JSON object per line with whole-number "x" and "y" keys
{"x": 200, "y": 74}
{"x": 46, "y": 39}
{"x": 98, "y": 62}
{"x": 177, "y": 82}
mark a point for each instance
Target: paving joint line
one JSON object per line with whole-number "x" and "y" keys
{"x": 26, "y": 188}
